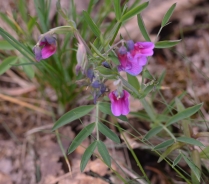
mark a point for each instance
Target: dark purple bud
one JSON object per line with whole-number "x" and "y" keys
{"x": 50, "y": 39}
{"x": 37, "y": 52}
{"x": 106, "y": 64}
{"x": 90, "y": 74}
{"x": 122, "y": 50}
{"x": 96, "y": 84}
{"x": 103, "y": 88}
{"x": 130, "y": 45}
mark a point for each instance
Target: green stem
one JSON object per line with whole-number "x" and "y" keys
{"x": 97, "y": 120}
{"x": 197, "y": 163}
{"x": 134, "y": 155}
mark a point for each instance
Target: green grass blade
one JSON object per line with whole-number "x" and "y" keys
{"x": 117, "y": 8}
{"x": 73, "y": 115}
{"x": 83, "y": 134}
{"x": 91, "y": 24}
{"x": 7, "y": 64}
{"x": 177, "y": 160}
{"x": 152, "y": 132}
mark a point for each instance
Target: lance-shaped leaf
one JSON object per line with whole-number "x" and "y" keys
{"x": 134, "y": 11}
{"x": 7, "y": 63}
{"x": 133, "y": 81}
{"x": 153, "y": 132}
{"x": 143, "y": 28}
{"x": 107, "y": 132}
{"x": 104, "y": 153}
{"x": 177, "y": 160}
{"x": 91, "y": 24}
{"x": 205, "y": 153}
{"x": 183, "y": 114}
{"x": 164, "y": 144}
{"x": 117, "y": 8}
{"x": 175, "y": 146}
{"x": 73, "y": 115}
{"x": 83, "y": 134}
{"x": 166, "y": 44}
{"x": 168, "y": 15}
{"x": 193, "y": 167}
{"x": 4, "y": 45}
{"x": 87, "y": 154}
{"x": 189, "y": 140}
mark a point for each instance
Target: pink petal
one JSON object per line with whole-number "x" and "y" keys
{"x": 143, "y": 48}
{"x": 125, "y": 103}
{"x": 48, "y": 50}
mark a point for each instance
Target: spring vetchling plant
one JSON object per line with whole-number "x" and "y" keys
{"x": 102, "y": 59}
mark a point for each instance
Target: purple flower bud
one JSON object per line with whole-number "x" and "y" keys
{"x": 119, "y": 104}
{"x": 37, "y": 52}
{"x": 90, "y": 74}
{"x": 122, "y": 50}
{"x": 96, "y": 84}
{"x": 106, "y": 64}
{"x": 81, "y": 53}
{"x": 77, "y": 69}
{"x": 130, "y": 45}
{"x": 103, "y": 88}
{"x": 47, "y": 46}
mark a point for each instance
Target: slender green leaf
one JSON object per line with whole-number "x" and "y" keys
{"x": 104, "y": 153}
{"x": 7, "y": 64}
{"x": 133, "y": 81}
{"x": 91, "y": 5}
{"x": 73, "y": 115}
{"x": 175, "y": 146}
{"x": 117, "y": 8}
{"x": 184, "y": 114}
{"x": 166, "y": 44}
{"x": 164, "y": 144}
{"x": 115, "y": 32}
{"x": 4, "y": 45}
{"x": 147, "y": 74}
{"x": 114, "y": 59}
{"x": 193, "y": 167}
{"x": 97, "y": 51}
{"x": 106, "y": 109}
{"x": 134, "y": 12}
{"x": 87, "y": 154}
{"x": 28, "y": 69}
{"x": 177, "y": 160}
{"x": 107, "y": 132}
{"x": 168, "y": 15}
{"x": 83, "y": 134}
{"x": 91, "y": 24}
{"x": 152, "y": 132}
{"x": 23, "y": 9}
{"x": 141, "y": 115}
{"x": 205, "y": 153}
{"x": 189, "y": 140}
{"x": 143, "y": 28}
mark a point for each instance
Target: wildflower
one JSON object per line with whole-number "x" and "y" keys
{"x": 106, "y": 64}
{"x": 131, "y": 65}
{"x": 90, "y": 74}
{"x": 133, "y": 59}
{"x": 119, "y": 102}
{"x": 45, "y": 48}
{"x": 98, "y": 90}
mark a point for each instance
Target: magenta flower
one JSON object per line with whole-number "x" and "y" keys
{"x": 133, "y": 60}
{"x": 45, "y": 48}
{"x": 119, "y": 102}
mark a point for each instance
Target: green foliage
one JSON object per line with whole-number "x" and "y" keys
{"x": 73, "y": 115}
{"x": 166, "y": 44}
{"x": 104, "y": 153}
{"x": 189, "y": 140}
{"x": 83, "y": 134}
{"x": 168, "y": 15}
{"x": 87, "y": 154}
{"x": 7, "y": 63}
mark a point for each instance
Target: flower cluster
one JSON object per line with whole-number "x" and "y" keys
{"x": 133, "y": 57}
